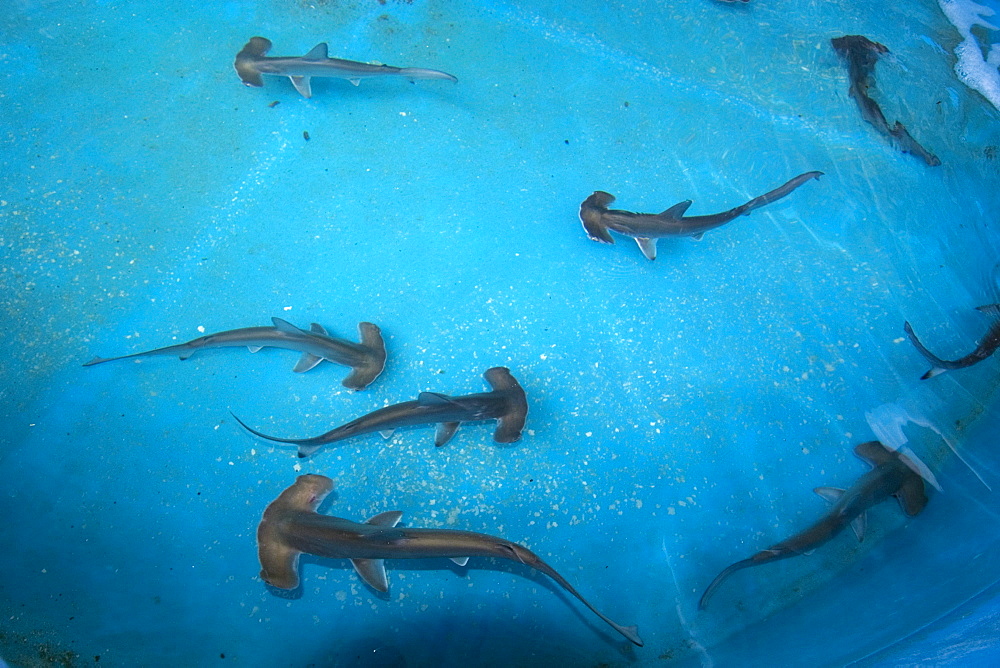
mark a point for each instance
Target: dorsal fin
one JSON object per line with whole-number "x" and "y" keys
{"x": 873, "y": 452}
{"x": 434, "y": 399}
{"x": 677, "y": 210}
{"x": 317, "y": 328}
{"x": 389, "y": 518}
{"x": 318, "y": 52}
{"x": 285, "y": 326}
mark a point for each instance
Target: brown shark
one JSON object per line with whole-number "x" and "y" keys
{"x": 507, "y": 403}
{"x": 251, "y": 62}
{"x": 893, "y": 474}
{"x": 646, "y": 228}
{"x": 366, "y": 358}
{"x": 987, "y": 346}
{"x": 291, "y": 526}
{"x": 861, "y": 54}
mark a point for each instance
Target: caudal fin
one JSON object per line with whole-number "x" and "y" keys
{"x": 938, "y": 365}
{"x": 422, "y": 73}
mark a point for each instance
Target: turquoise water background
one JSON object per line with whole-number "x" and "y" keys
{"x": 680, "y": 411}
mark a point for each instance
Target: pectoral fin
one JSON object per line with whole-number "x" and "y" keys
{"x": 387, "y": 433}
{"x": 372, "y": 571}
{"x": 445, "y": 430}
{"x": 254, "y": 349}
{"x": 461, "y": 561}
{"x": 831, "y": 494}
{"x": 302, "y": 85}
{"x": 356, "y": 82}
{"x": 647, "y": 246}
{"x": 306, "y": 362}
{"x": 859, "y": 524}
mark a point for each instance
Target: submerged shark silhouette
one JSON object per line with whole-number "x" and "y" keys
{"x": 646, "y": 228}
{"x": 861, "y": 54}
{"x": 291, "y": 526}
{"x": 251, "y": 63}
{"x": 366, "y": 358}
{"x": 507, "y": 403}
{"x": 987, "y": 346}
{"x": 893, "y": 474}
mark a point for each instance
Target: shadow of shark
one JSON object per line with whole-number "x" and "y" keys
{"x": 507, "y": 403}
{"x": 291, "y": 526}
{"x": 251, "y": 62}
{"x": 367, "y": 359}
{"x": 646, "y": 228}
{"x": 893, "y": 474}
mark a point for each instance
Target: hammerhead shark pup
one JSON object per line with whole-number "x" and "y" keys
{"x": 507, "y": 403}
{"x": 366, "y": 358}
{"x": 291, "y": 526}
{"x": 251, "y": 63}
{"x": 986, "y": 347}
{"x": 646, "y": 228}
{"x": 861, "y": 55}
{"x": 893, "y": 475}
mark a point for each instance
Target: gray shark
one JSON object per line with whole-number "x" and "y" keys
{"x": 646, "y": 228}
{"x": 251, "y": 63}
{"x": 507, "y": 403}
{"x": 861, "y": 54}
{"x": 893, "y": 474}
{"x": 366, "y": 358}
{"x": 291, "y": 526}
{"x": 987, "y": 346}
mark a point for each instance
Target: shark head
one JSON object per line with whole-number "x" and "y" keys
{"x": 279, "y": 561}
{"x": 246, "y": 61}
{"x": 511, "y": 422}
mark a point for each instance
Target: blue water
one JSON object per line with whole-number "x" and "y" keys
{"x": 680, "y": 411}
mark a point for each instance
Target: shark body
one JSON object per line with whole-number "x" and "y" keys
{"x": 507, "y": 403}
{"x": 646, "y": 228}
{"x": 986, "y": 347}
{"x": 367, "y": 358}
{"x": 861, "y": 54}
{"x": 892, "y": 475}
{"x": 251, "y": 63}
{"x": 291, "y": 526}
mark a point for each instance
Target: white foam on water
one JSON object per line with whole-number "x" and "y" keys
{"x": 979, "y": 73}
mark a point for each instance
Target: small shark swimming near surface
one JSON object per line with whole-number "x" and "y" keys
{"x": 861, "y": 55}
{"x": 646, "y": 228}
{"x": 291, "y": 526}
{"x": 507, "y": 403}
{"x": 893, "y": 474}
{"x": 987, "y": 346}
{"x": 366, "y": 358}
{"x": 251, "y": 63}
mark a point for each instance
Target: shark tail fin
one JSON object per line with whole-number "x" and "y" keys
{"x": 938, "y": 365}
{"x": 720, "y": 578}
{"x": 245, "y": 67}
{"x": 990, "y": 309}
{"x": 511, "y": 422}
{"x": 423, "y": 73}
{"x": 367, "y": 371}
{"x": 591, "y": 215}
{"x": 279, "y": 562}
